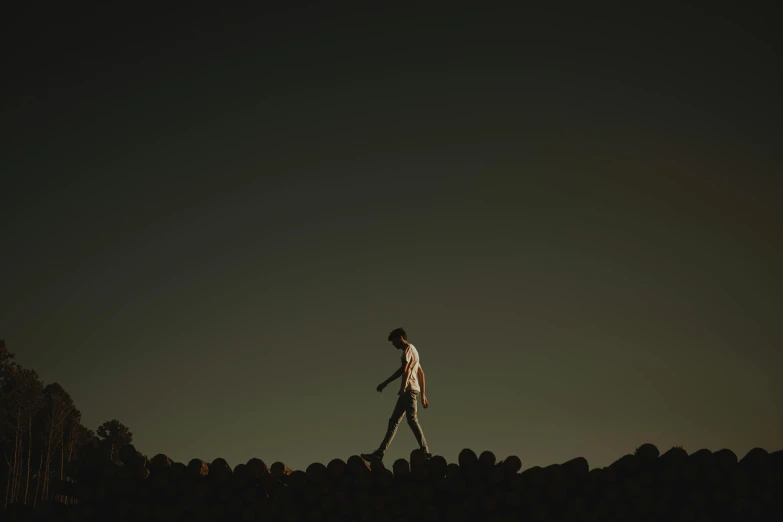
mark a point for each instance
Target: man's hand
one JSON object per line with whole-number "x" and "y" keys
{"x": 380, "y": 387}
{"x": 424, "y": 401}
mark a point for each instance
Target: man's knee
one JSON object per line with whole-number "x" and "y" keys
{"x": 412, "y": 418}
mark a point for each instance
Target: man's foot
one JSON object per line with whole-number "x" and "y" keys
{"x": 375, "y": 455}
{"x": 427, "y": 455}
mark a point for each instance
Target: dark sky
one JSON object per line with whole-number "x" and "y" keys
{"x": 212, "y": 220}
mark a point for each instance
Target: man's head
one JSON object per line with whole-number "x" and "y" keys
{"x": 399, "y": 338}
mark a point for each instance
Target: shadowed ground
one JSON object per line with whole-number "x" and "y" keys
{"x": 644, "y": 485}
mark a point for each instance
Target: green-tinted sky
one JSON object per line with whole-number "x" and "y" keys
{"x": 211, "y": 222}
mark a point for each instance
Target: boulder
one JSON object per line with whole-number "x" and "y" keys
{"x": 219, "y": 470}
{"x": 487, "y": 460}
{"x": 512, "y": 464}
{"x": 453, "y": 471}
{"x": 382, "y": 477}
{"x": 468, "y": 460}
{"x": 256, "y": 468}
{"x": 776, "y": 460}
{"x": 436, "y": 467}
{"x": 576, "y": 469}
{"x": 297, "y": 480}
{"x": 198, "y": 468}
{"x": 279, "y": 469}
{"x": 626, "y": 466}
{"x": 239, "y": 475}
{"x": 676, "y": 455}
{"x": 316, "y": 472}
{"x": 756, "y": 460}
{"x": 726, "y": 460}
{"x": 703, "y": 459}
{"x": 554, "y": 473}
{"x": 647, "y": 453}
{"x": 357, "y": 466}
{"x": 159, "y": 463}
{"x": 606, "y": 475}
{"x": 401, "y": 469}
{"x": 335, "y": 469}
{"x": 419, "y": 467}
{"x": 535, "y": 476}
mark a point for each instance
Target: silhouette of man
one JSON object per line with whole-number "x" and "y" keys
{"x": 411, "y": 385}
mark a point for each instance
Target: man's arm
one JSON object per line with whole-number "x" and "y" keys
{"x": 396, "y": 375}
{"x": 424, "y": 401}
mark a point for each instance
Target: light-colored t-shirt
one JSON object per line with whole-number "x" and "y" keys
{"x": 411, "y": 356}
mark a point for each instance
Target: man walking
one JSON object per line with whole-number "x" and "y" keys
{"x": 411, "y": 385}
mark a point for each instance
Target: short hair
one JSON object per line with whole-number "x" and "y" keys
{"x": 397, "y": 332}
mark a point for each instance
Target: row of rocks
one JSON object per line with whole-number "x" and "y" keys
{"x": 644, "y": 485}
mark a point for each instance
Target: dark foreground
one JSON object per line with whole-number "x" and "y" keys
{"x": 644, "y": 486}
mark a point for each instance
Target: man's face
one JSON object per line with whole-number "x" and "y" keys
{"x": 397, "y": 342}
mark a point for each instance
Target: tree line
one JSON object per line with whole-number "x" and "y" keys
{"x": 41, "y": 434}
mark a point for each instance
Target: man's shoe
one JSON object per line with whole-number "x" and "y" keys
{"x": 375, "y": 455}
{"x": 427, "y": 455}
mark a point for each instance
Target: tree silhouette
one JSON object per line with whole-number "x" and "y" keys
{"x": 7, "y": 366}
{"x": 41, "y": 433}
{"x": 59, "y": 407}
{"x": 25, "y": 399}
{"x": 114, "y": 435}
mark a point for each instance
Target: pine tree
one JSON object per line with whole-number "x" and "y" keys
{"x": 114, "y": 435}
